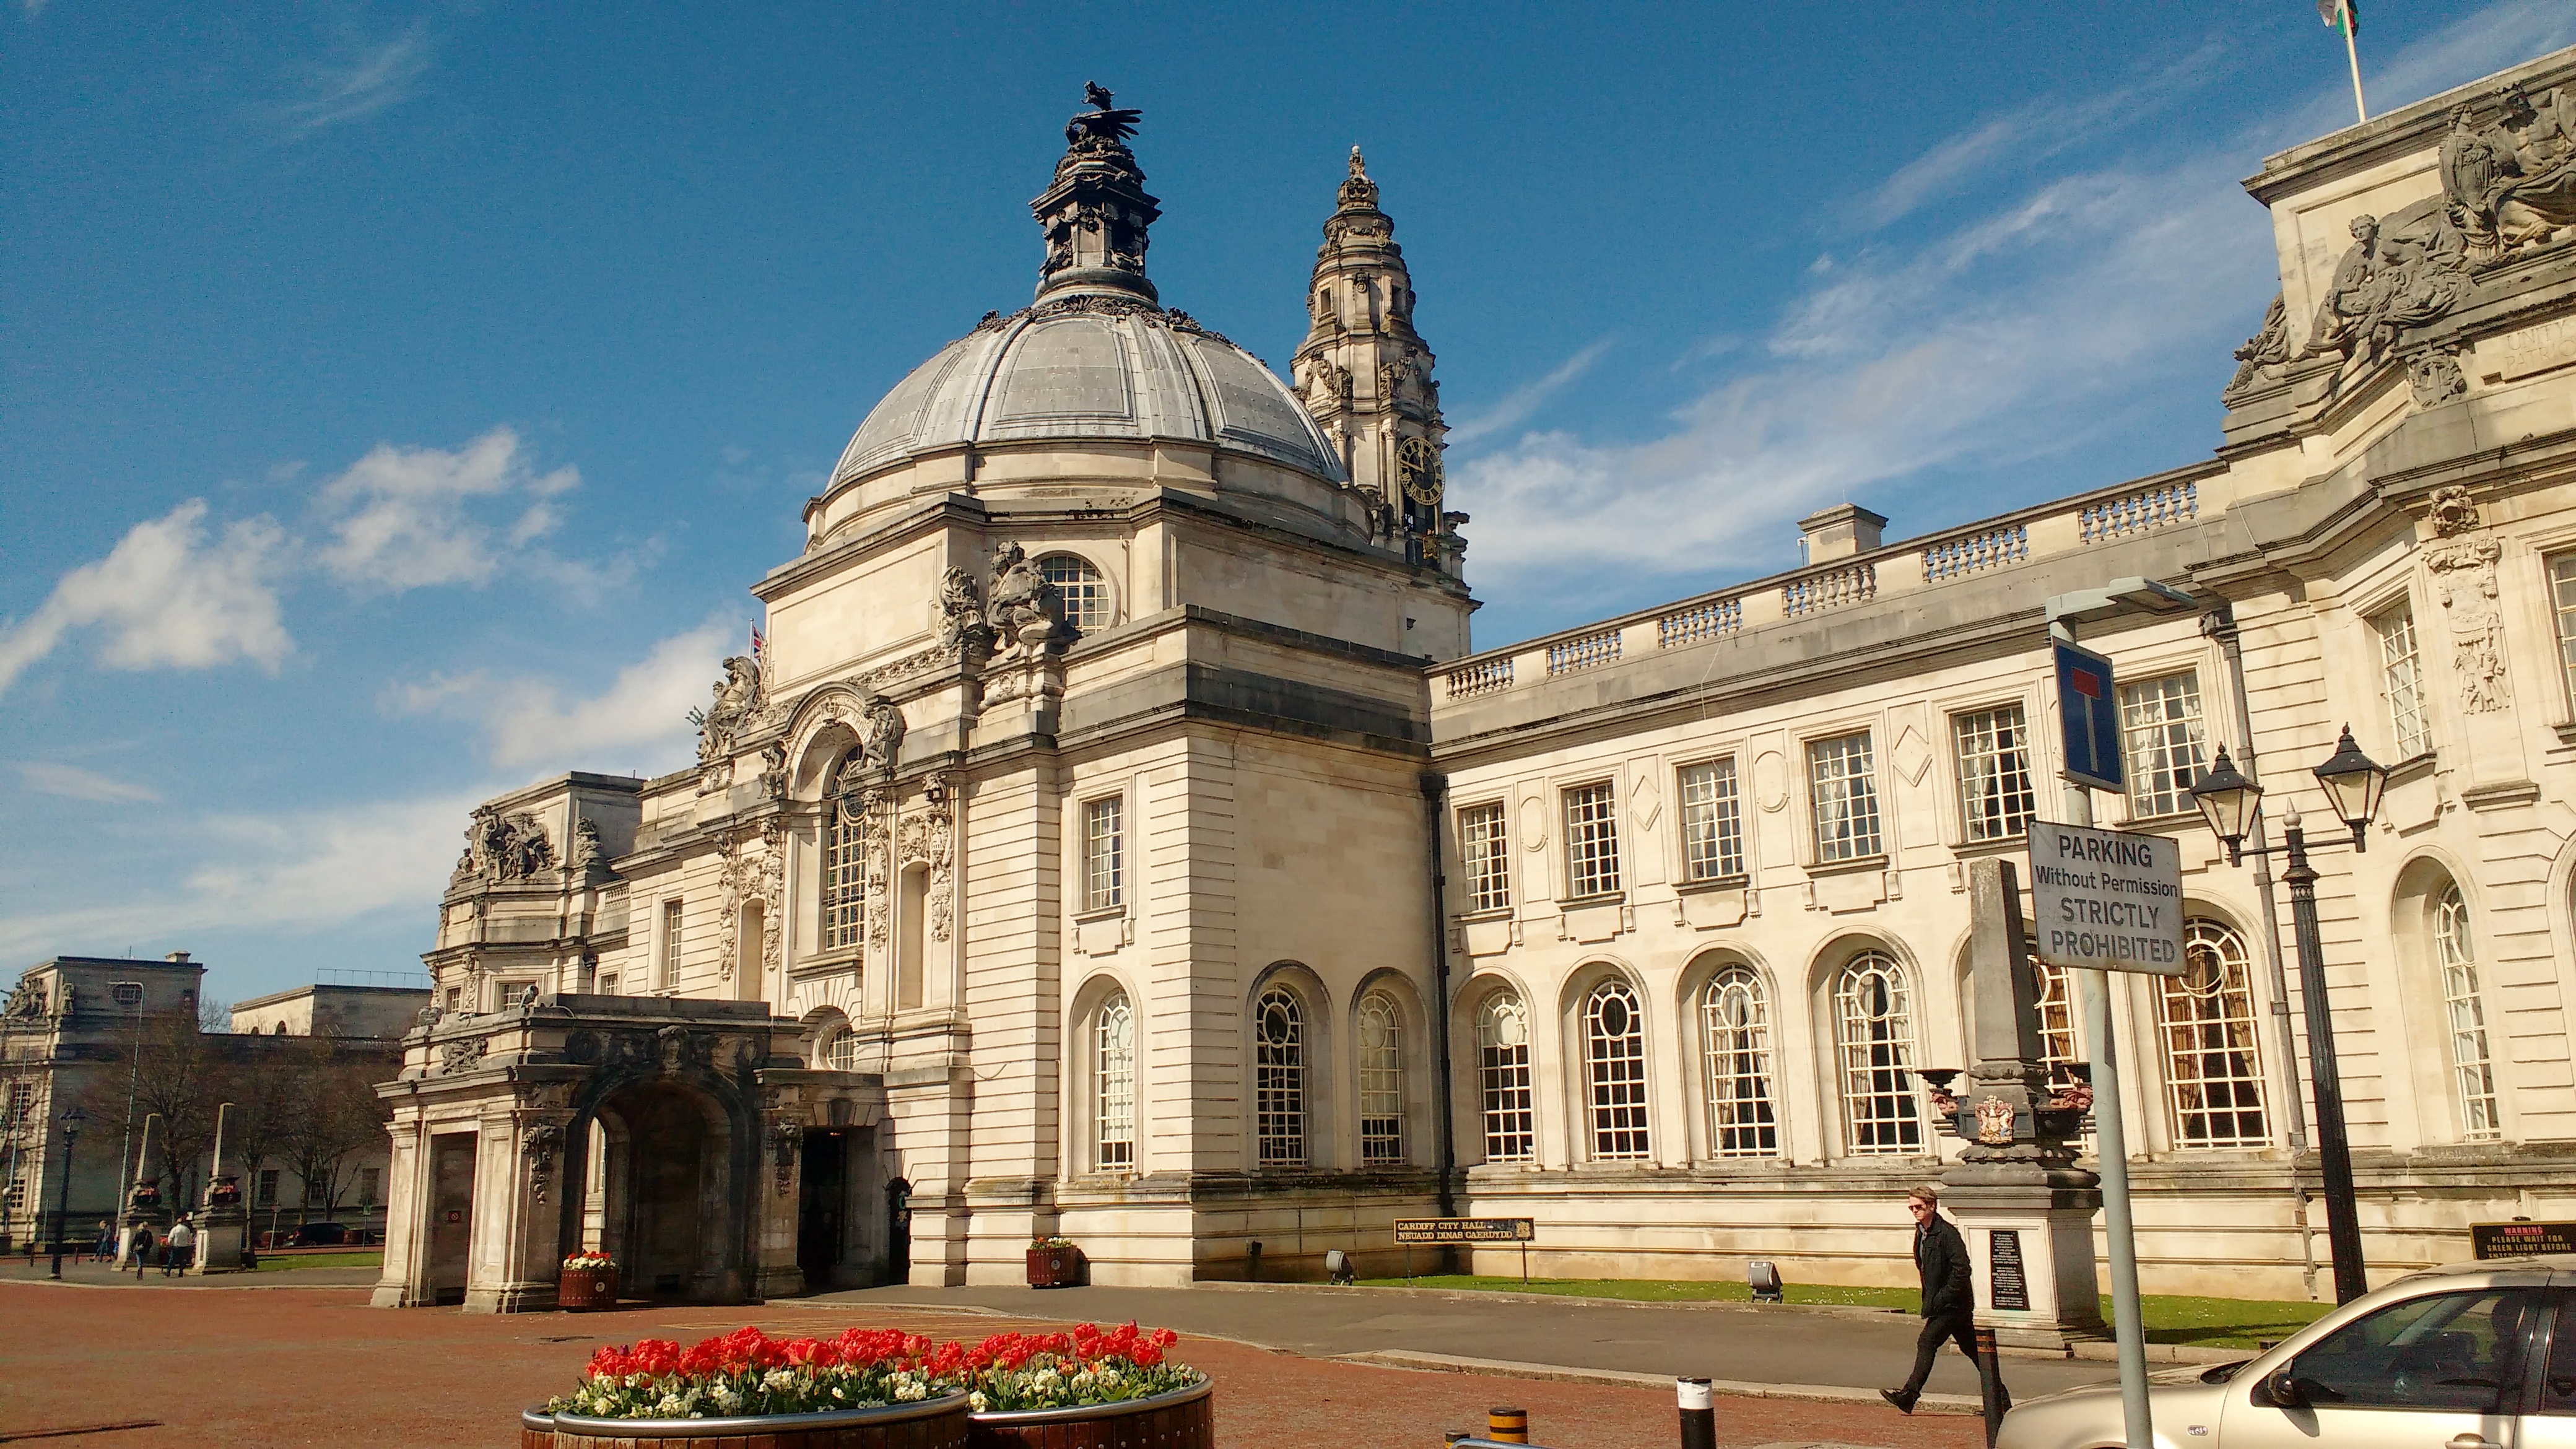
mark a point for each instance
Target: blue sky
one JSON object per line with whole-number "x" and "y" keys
{"x": 399, "y": 399}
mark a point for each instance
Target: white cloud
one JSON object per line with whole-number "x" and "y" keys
{"x": 1517, "y": 405}
{"x": 169, "y": 596}
{"x": 52, "y": 777}
{"x": 398, "y": 516}
{"x": 306, "y": 868}
{"x": 642, "y": 715}
{"x": 364, "y": 83}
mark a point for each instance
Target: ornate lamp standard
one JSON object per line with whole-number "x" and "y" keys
{"x": 2228, "y": 801}
{"x": 72, "y": 1122}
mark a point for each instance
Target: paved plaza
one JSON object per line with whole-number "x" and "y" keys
{"x": 283, "y": 1363}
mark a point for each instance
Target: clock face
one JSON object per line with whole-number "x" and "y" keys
{"x": 1417, "y": 470}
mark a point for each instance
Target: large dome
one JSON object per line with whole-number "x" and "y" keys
{"x": 1085, "y": 367}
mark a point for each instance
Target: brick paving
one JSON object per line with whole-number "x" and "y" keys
{"x": 317, "y": 1366}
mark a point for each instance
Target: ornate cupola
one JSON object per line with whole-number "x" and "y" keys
{"x": 1096, "y": 213}
{"x": 1366, "y": 375}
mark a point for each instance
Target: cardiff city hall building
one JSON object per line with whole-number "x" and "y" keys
{"x": 1118, "y": 837}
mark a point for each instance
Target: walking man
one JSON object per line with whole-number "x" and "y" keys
{"x": 1949, "y": 1295}
{"x": 176, "y": 1253}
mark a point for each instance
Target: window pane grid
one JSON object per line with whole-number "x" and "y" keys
{"x": 1104, "y": 855}
{"x": 1381, "y": 1081}
{"x": 1846, "y": 798}
{"x": 1115, "y": 1143}
{"x": 1874, "y": 1031}
{"x": 1995, "y": 790}
{"x": 1736, "y": 1030}
{"x": 1712, "y": 822}
{"x": 2562, "y": 598}
{"x": 2213, "y": 1083}
{"x": 1485, "y": 844}
{"x": 2402, "y": 681}
{"x": 2465, "y": 1011}
{"x": 2161, "y": 718}
{"x": 1279, "y": 1079}
{"x": 844, "y": 892}
{"x": 1591, "y": 841}
{"x": 670, "y": 942}
{"x": 1085, "y": 592}
{"x": 1503, "y": 1078}
{"x": 1615, "y": 1041}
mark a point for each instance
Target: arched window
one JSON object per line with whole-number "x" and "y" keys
{"x": 2213, "y": 1076}
{"x": 1381, "y": 1079}
{"x": 1114, "y": 1086}
{"x": 844, "y": 866}
{"x": 841, "y": 1050}
{"x": 2466, "y": 1013}
{"x": 1086, "y": 593}
{"x": 1735, "y": 1028}
{"x": 1874, "y": 1037}
{"x": 1279, "y": 1078}
{"x": 1503, "y": 1078}
{"x": 2056, "y": 1016}
{"x": 1614, "y": 1038}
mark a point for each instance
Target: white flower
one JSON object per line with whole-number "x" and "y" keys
{"x": 908, "y": 1393}
{"x": 728, "y": 1400}
{"x": 976, "y": 1401}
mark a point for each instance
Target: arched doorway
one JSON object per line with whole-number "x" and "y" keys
{"x": 667, "y": 1208}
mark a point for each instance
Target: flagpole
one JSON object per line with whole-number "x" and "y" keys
{"x": 2352, "y": 53}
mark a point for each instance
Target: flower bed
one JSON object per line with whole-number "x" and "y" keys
{"x": 1086, "y": 1386}
{"x": 587, "y": 1283}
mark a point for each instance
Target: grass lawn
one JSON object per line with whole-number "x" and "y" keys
{"x": 2204, "y": 1322}
{"x": 287, "y": 1263}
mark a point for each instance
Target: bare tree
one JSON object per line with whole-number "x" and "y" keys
{"x": 334, "y": 1115}
{"x": 177, "y": 1073}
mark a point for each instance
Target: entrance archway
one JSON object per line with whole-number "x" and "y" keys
{"x": 667, "y": 1209}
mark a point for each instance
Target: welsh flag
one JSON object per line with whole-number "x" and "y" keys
{"x": 2344, "y": 15}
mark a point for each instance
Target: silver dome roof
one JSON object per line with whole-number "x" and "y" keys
{"x": 1090, "y": 367}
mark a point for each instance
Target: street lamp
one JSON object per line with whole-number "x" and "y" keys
{"x": 72, "y": 1122}
{"x": 2228, "y": 801}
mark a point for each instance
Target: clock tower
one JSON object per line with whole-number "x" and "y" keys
{"x": 1366, "y": 376}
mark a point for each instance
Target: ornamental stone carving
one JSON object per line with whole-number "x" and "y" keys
{"x": 458, "y": 1057}
{"x": 1026, "y": 610}
{"x": 884, "y": 740}
{"x": 2397, "y": 276}
{"x": 2264, "y": 352}
{"x": 2511, "y": 184}
{"x": 928, "y": 837}
{"x": 2463, "y": 564}
{"x": 543, "y": 1140}
{"x": 506, "y": 847}
{"x": 586, "y": 849}
{"x": 2434, "y": 374}
{"x": 962, "y": 629}
{"x": 738, "y": 695}
{"x": 752, "y": 868}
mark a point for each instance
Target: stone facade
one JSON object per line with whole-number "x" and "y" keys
{"x": 1114, "y": 836}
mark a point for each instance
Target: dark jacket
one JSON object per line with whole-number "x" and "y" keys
{"x": 1942, "y": 1255}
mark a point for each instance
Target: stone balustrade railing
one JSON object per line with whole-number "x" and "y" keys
{"x": 1584, "y": 651}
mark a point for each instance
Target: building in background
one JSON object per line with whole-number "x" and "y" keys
{"x": 1116, "y": 837}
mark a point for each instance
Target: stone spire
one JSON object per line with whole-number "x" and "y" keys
{"x": 1366, "y": 375}
{"x": 1096, "y": 212}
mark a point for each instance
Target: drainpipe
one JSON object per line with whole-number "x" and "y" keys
{"x": 1434, "y": 789}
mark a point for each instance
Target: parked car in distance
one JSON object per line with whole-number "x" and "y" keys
{"x": 2469, "y": 1356}
{"x": 320, "y": 1235}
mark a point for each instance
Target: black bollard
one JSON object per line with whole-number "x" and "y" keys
{"x": 1699, "y": 1414}
{"x": 1990, "y": 1384}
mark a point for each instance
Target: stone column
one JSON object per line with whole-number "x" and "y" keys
{"x": 223, "y": 1222}
{"x": 521, "y": 1201}
{"x": 776, "y": 1200}
{"x": 406, "y": 1223}
{"x": 143, "y": 1207}
{"x": 2023, "y": 1205}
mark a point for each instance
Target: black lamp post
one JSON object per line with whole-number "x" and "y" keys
{"x": 2228, "y": 800}
{"x": 72, "y": 1122}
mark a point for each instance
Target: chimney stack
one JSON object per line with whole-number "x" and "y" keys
{"x": 1839, "y": 532}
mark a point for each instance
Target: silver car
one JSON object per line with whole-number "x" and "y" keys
{"x": 2472, "y": 1356}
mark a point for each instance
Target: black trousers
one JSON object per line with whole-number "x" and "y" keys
{"x": 1959, "y": 1328}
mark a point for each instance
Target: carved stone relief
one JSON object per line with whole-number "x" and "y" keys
{"x": 738, "y": 694}
{"x": 2396, "y": 277}
{"x": 2264, "y": 352}
{"x": 2511, "y": 183}
{"x": 2462, "y": 562}
{"x": 928, "y": 837}
{"x": 506, "y": 847}
{"x": 2434, "y": 373}
{"x": 456, "y": 1057}
{"x": 753, "y": 868}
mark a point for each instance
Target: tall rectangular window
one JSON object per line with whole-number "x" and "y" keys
{"x": 1104, "y": 855}
{"x": 1846, "y": 799}
{"x": 1996, "y": 797}
{"x": 22, "y": 1104}
{"x": 670, "y": 942}
{"x": 844, "y": 879}
{"x": 17, "y": 1198}
{"x": 1591, "y": 841}
{"x": 2562, "y": 601}
{"x": 2401, "y": 680}
{"x": 2161, "y": 719}
{"x": 1487, "y": 848}
{"x": 371, "y": 1181}
{"x": 267, "y": 1196}
{"x": 1712, "y": 822}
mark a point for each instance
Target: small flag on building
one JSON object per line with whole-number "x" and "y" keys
{"x": 2343, "y": 14}
{"x": 759, "y": 646}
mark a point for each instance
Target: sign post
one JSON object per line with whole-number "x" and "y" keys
{"x": 1409, "y": 1231}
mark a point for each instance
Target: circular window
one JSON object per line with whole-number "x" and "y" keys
{"x": 1086, "y": 593}
{"x": 841, "y": 1053}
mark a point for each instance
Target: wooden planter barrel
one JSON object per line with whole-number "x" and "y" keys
{"x": 1181, "y": 1419}
{"x": 1055, "y": 1267}
{"x": 586, "y": 1290}
{"x": 931, "y": 1424}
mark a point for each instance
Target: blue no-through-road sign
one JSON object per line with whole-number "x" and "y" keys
{"x": 2088, "y": 713}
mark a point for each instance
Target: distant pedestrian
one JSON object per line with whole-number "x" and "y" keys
{"x": 180, "y": 1250}
{"x": 142, "y": 1244}
{"x": 106, "y": 1240}
{"x": 1949, "y": 1296}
